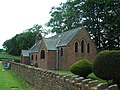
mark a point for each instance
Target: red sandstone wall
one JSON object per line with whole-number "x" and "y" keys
{"x": 25, "y": 60}
{"x": 51, "y": 61}
{"x": 42, "y": 63}
{"x": 71, "y": 56}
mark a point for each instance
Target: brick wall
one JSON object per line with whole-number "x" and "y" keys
{"x": 42, "y": 79}
{"x": 42, "y": 63}
{"x": 70, "y": 56}
{"x": 51, "y": 61}
{"x": 25, "y": 60}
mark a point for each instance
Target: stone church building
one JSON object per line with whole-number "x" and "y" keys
{"x": 61, "y": 50}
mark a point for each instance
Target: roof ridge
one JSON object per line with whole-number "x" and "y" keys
{"x": 65, "y": 32}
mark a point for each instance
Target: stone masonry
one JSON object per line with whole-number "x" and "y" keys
{"x": 42, "y": 79}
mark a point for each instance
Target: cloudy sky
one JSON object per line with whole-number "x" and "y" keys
{"x": 19, "y": 15}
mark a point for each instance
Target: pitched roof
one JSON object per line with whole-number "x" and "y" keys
{"x": 35, "y": 47}
{"x": 58, "y": 40}
{"x": 25, "y": 53}
{"x": 64, "y": 38}
{"x": 50, "y": 44}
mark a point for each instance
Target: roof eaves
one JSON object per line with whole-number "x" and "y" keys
{"x": 25, "y": 53}
{"x": 62, "y": 45}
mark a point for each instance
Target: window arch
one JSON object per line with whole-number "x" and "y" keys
{"x": 88, "y": 48}
{"x": 42, "y": 54}
{"x": 61, "y": 52}
{"x": 82, "y": 46}
{"x": 31, "y": 57}
{"x": 76, "y": 46}
{"x": 36, "y": 57}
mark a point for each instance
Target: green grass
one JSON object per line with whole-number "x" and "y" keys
{"x": 91, "y": 76}
{"x": 4, "y": 55}
{"x": 9, "y": 79}
{"x": 64, "y": 72}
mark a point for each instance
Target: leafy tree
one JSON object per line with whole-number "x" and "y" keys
{"x": 64, "y": 17}
{"x": 1, "y": 50}
{"x": 24, "y": 40}
{"x": 100, "y": 17}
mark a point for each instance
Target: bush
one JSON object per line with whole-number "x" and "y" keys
{"x": 82, "y": 68}
{"x": 107, "y": 65}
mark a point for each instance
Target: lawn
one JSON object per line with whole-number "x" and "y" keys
{"x": 9, "y": 79}
{"x": 91, "y": 76}
{"x": 66, "y": 72}
{"x": 4, "y": 55}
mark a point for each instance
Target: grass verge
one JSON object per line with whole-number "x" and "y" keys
{"x": 9, "y": 79}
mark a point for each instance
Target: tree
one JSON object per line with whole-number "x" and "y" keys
{"x": 1, "y": 50}
{"x": 107, "y": 65}
{"x": 64, "y": 17}
{"x": 101, "y": 19}
{"x": 24, "y": 40}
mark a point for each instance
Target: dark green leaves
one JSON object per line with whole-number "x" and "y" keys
{"x": 23, "y": 40}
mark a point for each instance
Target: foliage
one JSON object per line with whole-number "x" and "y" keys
{"x": 23, "y": 40}
{"x": 94, "y": 77}
{"x": 64, "y": 17}
{"x": 1, "y": 50}
{"x": 107, "y": 65}
{"x": 100, "y": 17}
{"x": 82, "y": 68}
{"x": 4, "y": 55}
{"x": 9, "y": 79}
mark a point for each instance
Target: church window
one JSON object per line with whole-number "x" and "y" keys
{"x": 82, "y": 46}
{"x": 88, "y": 48}
{"x": 36, "y": 57}
{"x": 61, "y": 52}
{"x": 76, "y": 46}
{"x": 31, "y": 57}
{"x": 42, "y": 54}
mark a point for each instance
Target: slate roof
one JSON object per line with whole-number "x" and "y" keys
{"x": 35, "y": 47}
{"x": 25, "y": 53}
{"x": 61, "y": 39}
{"x": 58, "y": 40}
{"x": 66, "y": 37}
{"x": 51, "y": 44}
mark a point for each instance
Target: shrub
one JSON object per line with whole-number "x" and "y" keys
{"x": 107, "y": 65}
{"x": 82, "y": 68}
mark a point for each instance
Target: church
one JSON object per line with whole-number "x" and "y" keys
{"x": 59, "y": 52}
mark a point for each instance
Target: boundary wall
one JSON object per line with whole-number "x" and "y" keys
{"x": 42, "y": 79}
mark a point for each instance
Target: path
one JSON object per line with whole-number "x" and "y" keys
{"x": 10, "y": 81}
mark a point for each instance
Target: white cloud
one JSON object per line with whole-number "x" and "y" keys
{"x": 19, "y": 15}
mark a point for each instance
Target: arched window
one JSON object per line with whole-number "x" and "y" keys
{"x": 82, "y": 46}
{"x": 31, "y": 57}
{"x": 42, "y": 54}
{"x": 61, "y": 52}
{"x": 88, "y": 48}
{"x": 76, "y": 46}
{"x": 36, "y": 58}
